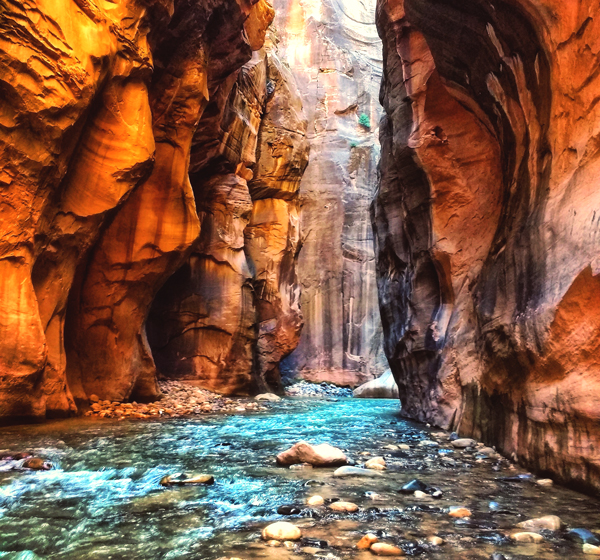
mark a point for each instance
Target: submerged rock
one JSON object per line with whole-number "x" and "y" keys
{"x": 527, "y": 537}
{"x": 549, "y": 522}
{"x": 355, "y": 471}
{"x": 323, "y": 455}
{"x": 182, "y": 479}
{"x": 376, "y": 463}
{"x": 281, "y": 531}
{"x": 584, "y": 536}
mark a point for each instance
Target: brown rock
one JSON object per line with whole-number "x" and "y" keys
{"x": 347, "y": 507}
{"x": 487, "y": 246}
{"x": 323, "y": 455}
{"x": 281, "y": 531}
{"x": 384, "y": 549}
{"x": 365, "y": 542}
{"x": 459, "y": 512}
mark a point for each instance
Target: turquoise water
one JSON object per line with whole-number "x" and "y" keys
{"x": 104, "y": 500}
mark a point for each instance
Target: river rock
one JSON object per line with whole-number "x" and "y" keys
{"x": 544, "y": 482}
{"x": 323, "y": 455}
{"x": 348, "y": 507}
{"x": 463, "y": 443}
{"x": 289, "y": 510}
{"x": 584, "y": 536}
{"x": 413, "y": 486}
{"x": 366, "y": 541}
{"x": 550, "y": 522}
{"x": 459, "y": 512}
{"x": 527, "y": 537}
{"x": 281, "y": 531}
{"x": 435, "y": 541}
{"x": 384, "y": 387}
{"x": 355, "y": 471}
{"x": 420, "y": 495}
{"x": 384, "y": 549}
{"x": 272, "y": 397}
{"x": 182, "y": 479}
{"x": 376, "y": 463}
{"x": 36, "y": 464}
{"x": 591, "y": 549}
{"x": 315, "y": 501}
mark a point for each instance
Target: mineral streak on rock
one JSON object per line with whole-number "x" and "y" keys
{"x": 487, "y": 223}
{"x": 231, "y": 313}
{"x": 100, "y": 104}
{"x": 334, "y": 53}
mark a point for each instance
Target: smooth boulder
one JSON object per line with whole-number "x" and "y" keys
{"x": 281, "y": 531}
{"x": 355, "y": 471}
{"x": 272, "y": 397}
{"x": 549, "y": 522}
{"x": 323, "y": 455}
{"x": 384, "y": 387}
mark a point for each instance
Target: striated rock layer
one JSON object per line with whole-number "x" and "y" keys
{"x": 232, "y": 312}
{"x": 100, "y": 108}
{"x": 487, "y": 222}
{"x": 334, "y": 53}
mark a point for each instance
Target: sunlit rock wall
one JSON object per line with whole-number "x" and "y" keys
{"x": 334, "y": 53}
{"x": 487, "y": 222}
{"x": 100, "y": 104}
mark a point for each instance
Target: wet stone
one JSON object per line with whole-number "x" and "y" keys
{"x": 583, "y": 536}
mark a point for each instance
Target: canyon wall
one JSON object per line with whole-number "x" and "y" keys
{"x": 334, "y": 53}
{"x": 487, "y": 223}
{"x": 103, "y": 116}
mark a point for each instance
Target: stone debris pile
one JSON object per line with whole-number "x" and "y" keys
{"x": 179, "y": 399}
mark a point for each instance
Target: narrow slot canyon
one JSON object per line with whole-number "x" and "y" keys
{"x": 293, "y": 279}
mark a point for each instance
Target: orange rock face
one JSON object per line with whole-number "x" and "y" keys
{"x": 231, "y": 313}
{"x": 101, "y": 103}
{"x": 486, "y": 222}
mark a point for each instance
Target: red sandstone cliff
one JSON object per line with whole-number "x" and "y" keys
{"x": 487, "y": 221}
{"x": 101, "y": 107}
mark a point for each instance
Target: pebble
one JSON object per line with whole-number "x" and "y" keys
{"x": 435, "y": 541}
{"x": 315, "y": 501}
{"x": 355, "y": 471}
{"x": 428, "y": 443}
{"x": 591, "y": 549}
{"x": 319, "y": 390}
{"x": 348, "y": 507}
{"x": 413, "y": 486}
{"x": 376, "y": 463}
{"x": 384, "y": 549}
{"x": 527, "y": 537}
{"x": 545, "y": 482}
{"x": 281, "y": 531}
{"x": 463, "y": 443}
{"x": 366, "y": 542}
{"x": 459, "y": 512}
{"x": 550, "y": 522}
{"x": 420, "y": 495}
{"x": 403, "y": 447}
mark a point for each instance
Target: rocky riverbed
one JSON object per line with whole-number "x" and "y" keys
{"x": 116, "y": 491}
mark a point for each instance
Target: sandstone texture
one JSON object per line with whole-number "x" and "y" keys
{"x": 486, "y": 223}
{"x": 113, "y": 178}
{"x": 334, "y": 53}
{"x": 228, "y": 316}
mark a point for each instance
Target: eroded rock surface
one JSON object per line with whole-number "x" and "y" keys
{"x": 100, "y": 107}
{"x": 487, "y": 222}
{"x": 334, "y": 53}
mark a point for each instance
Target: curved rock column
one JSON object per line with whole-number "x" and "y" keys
{"x": 487, "y": 225}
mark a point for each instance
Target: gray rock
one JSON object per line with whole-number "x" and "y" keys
{"x": 355, "y": 471}
{"x": 383, "y": 387}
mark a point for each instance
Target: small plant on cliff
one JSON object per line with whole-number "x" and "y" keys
{"x": 364, "y": 120}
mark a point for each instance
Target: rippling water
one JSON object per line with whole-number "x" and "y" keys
{"x": 104, "y": 500}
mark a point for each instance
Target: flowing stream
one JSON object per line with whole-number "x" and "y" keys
{"x": 104, "y": 501}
